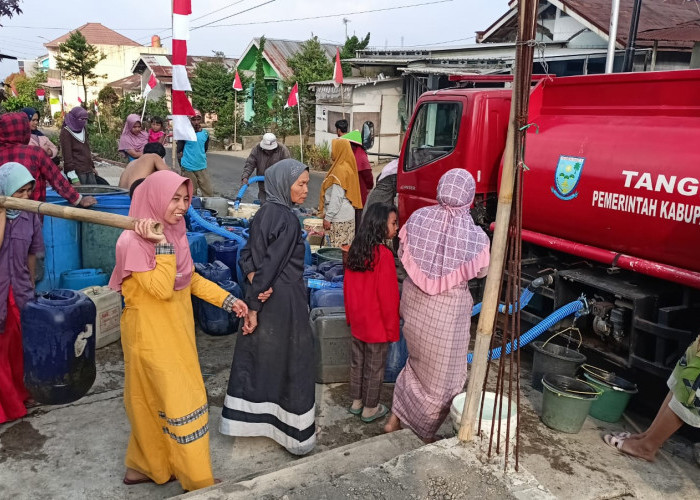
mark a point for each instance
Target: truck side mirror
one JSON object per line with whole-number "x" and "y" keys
{"x": 367, "y": 135}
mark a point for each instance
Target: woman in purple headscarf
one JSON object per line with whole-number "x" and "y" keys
{"x": 442, "y": 249}
{"x": 133, "y": 138}
{"x": 77, "y": 157}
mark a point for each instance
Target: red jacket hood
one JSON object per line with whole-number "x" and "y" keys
{"x": 11, "y": 134}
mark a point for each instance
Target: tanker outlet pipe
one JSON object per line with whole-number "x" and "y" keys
{"x": 525, "y": 297}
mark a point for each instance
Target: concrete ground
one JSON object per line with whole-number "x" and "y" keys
{"x": 76, "y": 451}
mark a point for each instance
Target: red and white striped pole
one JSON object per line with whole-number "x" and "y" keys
{"x": 181, "y": 106}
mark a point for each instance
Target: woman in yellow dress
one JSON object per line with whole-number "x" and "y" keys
{"x": 164, "y": 393}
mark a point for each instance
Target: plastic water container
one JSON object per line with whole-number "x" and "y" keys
{"x": 81, "y": 278}
{"x": 58, "y": 332}
{"x": 327, "y": 297}
{"x": 233, "y": 222}
{"x": 333, "y": 344}
{"x": 108, "y": 306}
{"x": 62, "y": 249}
{"x": 244, "y": 211}
{"x": 226, "y": 252}
{"x": 99, "y": 242}
{"x": 214, "y": 320}
{"x": 335, "y": 272}
{"x": 216, "y": 203}
{"x": 216, "y": 271}
{"x": 198, "y": 247}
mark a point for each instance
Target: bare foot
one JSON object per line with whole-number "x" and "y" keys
{"x": 132, "y": 476}
{"x": 635, "y": 447}
{"x": 393, "y": 425}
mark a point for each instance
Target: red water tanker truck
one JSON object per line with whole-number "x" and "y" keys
{"x": 611, "y": 198}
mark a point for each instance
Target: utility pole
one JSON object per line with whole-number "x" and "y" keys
{"x": 628, "y": 61}
{"x": 345, "y": 22}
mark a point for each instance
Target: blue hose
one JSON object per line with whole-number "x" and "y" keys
{"x": 194, "y": 215}
{"x": 539, "y": 328}
{"x": 523, "y": 301}
{"x": 241, "y": 192}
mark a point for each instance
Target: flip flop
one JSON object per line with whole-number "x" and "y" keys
{"x": 621, "y": 435}
{"x": 616, "y": 442}
{"x": 355, "y": 411}
{"x": 144, "y": 480}
{"x": 381, "y": 412}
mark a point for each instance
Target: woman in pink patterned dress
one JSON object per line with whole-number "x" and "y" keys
{"x": 442, "y": 249}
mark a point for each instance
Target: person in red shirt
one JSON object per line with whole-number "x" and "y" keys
{"x": 371, "y": 292}
{"x": 14, "y": 140}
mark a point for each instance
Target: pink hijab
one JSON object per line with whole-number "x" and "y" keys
{"x": 128, "y": 139}
{"x": 441, "y": 245}
{"x": 135, "y": 254}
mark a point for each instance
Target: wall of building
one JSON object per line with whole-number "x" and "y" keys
{"x": 115, "y": 66}
{"x": 377, "y": 103}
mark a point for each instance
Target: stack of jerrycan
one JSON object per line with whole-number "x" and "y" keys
{"x": 333, "y": 344}
{"x": 329, "y": 292}
{"x": 108, "y": 312}
{"x": 58, "y": 331}
{"x": 212, "y": 319}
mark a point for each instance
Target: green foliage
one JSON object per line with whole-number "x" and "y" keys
{"x": 77, "y": 58}
{"x": 316, "y": 157}
{"x": 352, "y": 45}
{"x": 285, "y": 119}
{"x": 9, "y": 8}
{"x": 223, "y": 126}
{"x": 260, "y": 107}
{"x": 104, "y": 145}
{"x": 212, "y": 86}
{"x": 108, "y": 97}
{"x": 26, "y": 93}
{"x": 134, "y": 104}
{"x": 311, "y": 64}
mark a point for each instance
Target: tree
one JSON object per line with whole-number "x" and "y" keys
{"x": 26, "y": 92}
{"x": 108, "y": 96}
{"x": 260, "y": 107}
{"x": 78, "y": 59}
{"x": 311, "y": 64}
{"x": 352, "y": 45}
{"x": 212, "y": 85}
{"x": 285, "y": 118}
{"x": 9, "y": 8}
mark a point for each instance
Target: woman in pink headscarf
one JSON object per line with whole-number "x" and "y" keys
{"x": 133, "y": 138}
{"x": 164, "y": 393}
{"x": 442, "y": 249}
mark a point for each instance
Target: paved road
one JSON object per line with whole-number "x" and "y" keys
{"x": 225, "y": 171}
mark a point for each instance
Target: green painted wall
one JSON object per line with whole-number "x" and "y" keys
{"x": 247, "y": 63}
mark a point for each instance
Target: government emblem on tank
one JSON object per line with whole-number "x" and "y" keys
{"x": 566, "y": 177}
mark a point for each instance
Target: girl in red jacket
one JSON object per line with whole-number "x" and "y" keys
{"x": 371, "y": 293}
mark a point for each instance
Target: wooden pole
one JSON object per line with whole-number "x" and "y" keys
{"x": 73, "y": 213}
{"x": 143, "y": 112}
{"x": 527, "y": 10}
{"x": 173, "y": 142}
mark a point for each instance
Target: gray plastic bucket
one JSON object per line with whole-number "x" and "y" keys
{"x": 554, "y": 359}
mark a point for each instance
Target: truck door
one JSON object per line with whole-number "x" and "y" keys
{"x": 429, "y": 151}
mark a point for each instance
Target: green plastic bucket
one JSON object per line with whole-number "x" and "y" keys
{"x": 326, "y": 254}
{"x": 566, "y": 402}
{"x": 616, "y": 394}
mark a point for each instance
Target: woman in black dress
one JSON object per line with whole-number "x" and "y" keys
{"x": 271, "y": 388}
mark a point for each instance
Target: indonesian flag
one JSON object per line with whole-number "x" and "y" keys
{"x": 237, "y": 85}
{"x": 80, "y": 100}
{"x": 337, "y": 70}
{"x": 293, "y": 98}
{"x": 152, "y": 82}
{"x": 97, "y": 110}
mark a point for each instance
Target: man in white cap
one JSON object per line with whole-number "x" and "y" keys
{"x": 262, "y": 157}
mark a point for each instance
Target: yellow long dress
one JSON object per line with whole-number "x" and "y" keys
{"x": 164, "y": 393}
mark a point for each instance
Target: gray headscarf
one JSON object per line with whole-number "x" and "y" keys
{"x": 279, "y": 179}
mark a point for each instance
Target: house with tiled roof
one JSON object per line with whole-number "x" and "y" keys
{"x": 121, "y": 53}
{"x": 276, "y": 53}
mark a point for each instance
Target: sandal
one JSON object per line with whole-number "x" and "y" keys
{"x": 617, "y": 442}
{"x": 381, "y": 412}
{"x": 355, "y": 411}
{"x": 144, "y": 480}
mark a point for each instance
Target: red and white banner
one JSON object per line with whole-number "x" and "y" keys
{"x": 293, "y": 98}
{"x": 237, "y": 85}
{"x": 152, "y": 82}
{"x": 181, "y": 106}
{"x": 337, "y": 69}
{"x": 97, "y": 110}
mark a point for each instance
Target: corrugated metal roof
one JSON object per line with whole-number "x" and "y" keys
{"x": 130, "y": 83}
{"x": 277, "y": 52}
{"x": 95, "y": 34}
{"x": 686, "y": 32}
{"x": 357, "y": 81}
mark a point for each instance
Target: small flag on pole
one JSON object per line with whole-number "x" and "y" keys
{"x": 293, "y": 98}
{"x": 80, "y": 100}
{"x": 338, "y": 69}
{"x": 97, "y": 110}
{"x": 152, "y": 82}
{"x": 237, "y": 85}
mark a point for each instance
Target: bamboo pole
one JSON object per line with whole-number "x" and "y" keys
{"x": 73, "y": 213}
{"x": 526, "y": 11}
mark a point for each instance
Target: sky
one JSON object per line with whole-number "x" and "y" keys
{"x": 429, "y": 22}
